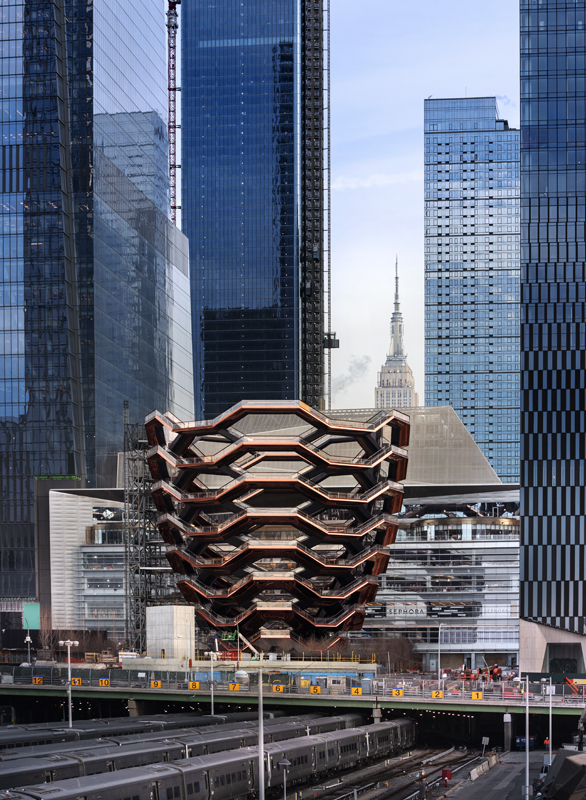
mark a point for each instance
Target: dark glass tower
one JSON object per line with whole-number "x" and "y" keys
{"x": 253, "y": 198}
{"x": 94, "y": 289}
{"x": 553, "y": 322}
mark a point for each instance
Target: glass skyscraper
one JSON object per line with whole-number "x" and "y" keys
{"x": 94, "y": 287}
{"x": 472, "y": 217}
{"x": 253, "y": 198}
{"x": 553, "y": 321}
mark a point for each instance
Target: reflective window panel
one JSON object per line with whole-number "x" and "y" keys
{"x": 472, "y": 272}
{"x": 252, "y": 197}
{"x": 553, "y": 316}
{"x": 94, "y": 286}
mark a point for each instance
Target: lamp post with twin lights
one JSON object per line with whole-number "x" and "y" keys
{"x": 69, "y": 644}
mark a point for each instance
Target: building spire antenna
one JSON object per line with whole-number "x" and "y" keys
{"x": 396, "y": 283}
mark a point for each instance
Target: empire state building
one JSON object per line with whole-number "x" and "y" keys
{"x": 396, "y": 386}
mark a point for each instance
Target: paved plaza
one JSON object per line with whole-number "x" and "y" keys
{"x": 504, "y": 781}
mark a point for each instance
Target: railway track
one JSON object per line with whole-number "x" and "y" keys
{"x": 368, "y": 777}
{"x": 373, "y": 783}
{"x": 411, "y": 789}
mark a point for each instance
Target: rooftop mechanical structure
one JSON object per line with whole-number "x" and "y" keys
{"x": 277, "y": 518}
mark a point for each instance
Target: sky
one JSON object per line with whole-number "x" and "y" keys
{"x": 386, "y": 57}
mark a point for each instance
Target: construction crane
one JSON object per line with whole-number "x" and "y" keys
{"x": 172, "y": 26}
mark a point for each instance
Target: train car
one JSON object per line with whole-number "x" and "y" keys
{"x": 407, "y": 733}
{"x": 17, "y": 736}
{"x": 337, "y": 723}
{"x": 231, "y": 775}
{"x": 65, "y": 747}
{"x": 105, "y": 756}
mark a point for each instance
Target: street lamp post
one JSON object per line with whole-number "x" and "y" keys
{"x": 28, "y": 640}
{"x": 211, "y": 654}
{"x": 527, "y": 786}
{"x": 284, "y": 764}
{"x": 69, "y": 644}
{"x": 187, "y": 648}
{"x": 439, "y": 652}
{"x": 261, "y": 735}
{"x": 550, "y": 719}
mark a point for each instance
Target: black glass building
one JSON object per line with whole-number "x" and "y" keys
{"x": 94, "y": 286}
{"x": 253, "y": 198}
{"x": 553, "y": 322}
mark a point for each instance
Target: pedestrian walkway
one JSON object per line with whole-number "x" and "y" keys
{"x": 504, "y": 781}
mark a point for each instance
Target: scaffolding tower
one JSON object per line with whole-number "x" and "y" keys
{"x": 172, "y": 27}
{"x": 148, "y": 576}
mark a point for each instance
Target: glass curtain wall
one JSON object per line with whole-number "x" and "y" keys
{"x": 472, "y": 273}
{"x": 135, "y": 268}
{"x": 553, "y": 323}
{"x": 35, "y": 393}
{"x": 241, "y": 197}
{"x": 94, "y": 285}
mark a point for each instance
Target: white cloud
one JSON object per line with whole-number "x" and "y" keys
{"x": 342, "y": 183}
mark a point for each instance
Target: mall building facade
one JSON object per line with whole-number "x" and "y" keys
{"x": 452, "y": 586}
{"x": 452, "y": 582}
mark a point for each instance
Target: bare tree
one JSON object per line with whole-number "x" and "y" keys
{"x": 394, "y": 652}
{"x": 47, "y": 636}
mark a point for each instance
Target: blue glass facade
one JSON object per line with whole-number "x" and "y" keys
{"x": 252, "y": 198}
{"x": 94, "y": 286}
{"x": 553, "y": 321}
{"x": 472, "y": 217}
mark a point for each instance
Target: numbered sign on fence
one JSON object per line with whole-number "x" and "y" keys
{"x": 477, "y": 695}
{"x": 278, "y": 687}
{"x": 397, "y": 693}
{"x": 315, "y": 689}
{"x": 155, "y": 684}
{"x": 356, "y": 690}
{"x": 37, "y": 680}
{"x": 234, "y": 687}
{"x": 76, "y": 681}
{"x": 104, "y": 681}
{"x": 193, "y": 685}
{"x": 437, "y": 694}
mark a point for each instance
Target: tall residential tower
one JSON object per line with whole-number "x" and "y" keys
{"x": 472, "y": 272}
{"x": 395, "y": 384}
{"x": 94, "y": 291}
{"x": 254, "y": 188}
{"x": 553, "y": 335}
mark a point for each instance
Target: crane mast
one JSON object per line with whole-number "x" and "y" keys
{"x": 172, "y": 26}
